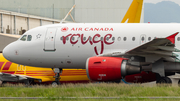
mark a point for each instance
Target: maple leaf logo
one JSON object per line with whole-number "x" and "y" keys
{"x": 64, "y": 29}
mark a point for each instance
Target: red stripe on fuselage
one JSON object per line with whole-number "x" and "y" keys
{"x": 7, "y": 65}
{"x": 9, "y": 72}
{"x": 40, "y": 75}
{"x": 1, "y": 64}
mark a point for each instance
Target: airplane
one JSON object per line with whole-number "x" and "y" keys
{"x": 100, "y": 41}
{"x": 11, "y": 72}
{"x": 132, "y": 15}
{"x": 108, "y": 51}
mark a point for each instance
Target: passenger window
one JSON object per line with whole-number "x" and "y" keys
{"x": 107, "y": 38}
{"x": 61, "y": 38}
{"x": 67, "y": 38}
{"x": 113, "y": 38}
{"x": 149, "y": 38}
{"x": 101, "y": 38}
{"x": 178, "y": 38}
{"x": 133, "y": 38}
{"x": 23, "y": 38}
{"x": 142, "y": 39}
{"x": 29, "y": 38}
{"x": 73, "y": 38}
{"x": 90, "y": 38}
{"x": 124, "y": 38}
{"x": 119, "y": 38}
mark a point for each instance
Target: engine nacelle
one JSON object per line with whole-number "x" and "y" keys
{"x": 109, "y": 68}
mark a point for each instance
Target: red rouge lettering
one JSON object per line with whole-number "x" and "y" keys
{"x": 82, "y": 40}
{"x": 104, "y": 41}
{"x": 64, "y": 38}
{"x": 97, "y": 35}
{"x": 72, "y": 37}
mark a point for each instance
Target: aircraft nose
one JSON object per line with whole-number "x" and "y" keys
{"x": 8, "y": 52}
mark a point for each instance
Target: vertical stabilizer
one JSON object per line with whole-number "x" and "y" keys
{"x": 133, "y": 15}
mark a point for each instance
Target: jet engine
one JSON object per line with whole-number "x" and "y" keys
{"x": 109, "y": 68}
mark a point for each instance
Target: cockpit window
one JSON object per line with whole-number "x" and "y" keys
{"x": 29, "y": 38}
{"x": 23, "y": 38}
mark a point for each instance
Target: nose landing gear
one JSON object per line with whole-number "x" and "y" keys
{"x": 57, "y": 77}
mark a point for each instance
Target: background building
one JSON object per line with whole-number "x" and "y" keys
{"x": 101, "y": 11}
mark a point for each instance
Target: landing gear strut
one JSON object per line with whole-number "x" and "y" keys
{"x": 57, "y": 77}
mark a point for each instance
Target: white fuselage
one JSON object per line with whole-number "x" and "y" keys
{"x": 48, "y": 49}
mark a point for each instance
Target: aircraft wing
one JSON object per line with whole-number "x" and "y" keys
{"x": 163, "y": 47}
{"x": 15, "y": 77}
{"x": 160, "y": 47}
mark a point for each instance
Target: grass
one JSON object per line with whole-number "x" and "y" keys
{"x": 90, "y": 90}
{"x": 91, "y": 100}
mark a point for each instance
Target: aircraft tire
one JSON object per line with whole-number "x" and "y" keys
{"x": 164, "y": 80}
{"x": 1, "y": 83}
{"x": 179, "y": 83}
{"x": 26, "y": 82}
{"x": 55, "y": 83}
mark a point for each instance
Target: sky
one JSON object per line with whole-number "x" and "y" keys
{"x": 156, "y": 1}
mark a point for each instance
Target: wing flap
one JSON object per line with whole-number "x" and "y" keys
{"x": 166, "y": 48}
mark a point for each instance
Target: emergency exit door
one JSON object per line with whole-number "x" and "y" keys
{"x": 49, "y": 42}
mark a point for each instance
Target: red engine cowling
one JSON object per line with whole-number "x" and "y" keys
{"x": 108, "y": 68}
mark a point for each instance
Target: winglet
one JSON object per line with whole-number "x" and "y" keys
{"x": 172, "y": 37}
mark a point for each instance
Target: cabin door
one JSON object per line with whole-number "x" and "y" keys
{"x": 49, "y": 42}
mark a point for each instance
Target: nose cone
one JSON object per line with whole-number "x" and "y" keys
{"x": 8, "y": 52}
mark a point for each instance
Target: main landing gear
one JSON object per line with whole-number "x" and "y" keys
{"x": 164, "y": 80}
{"x": 57, "y": 77}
